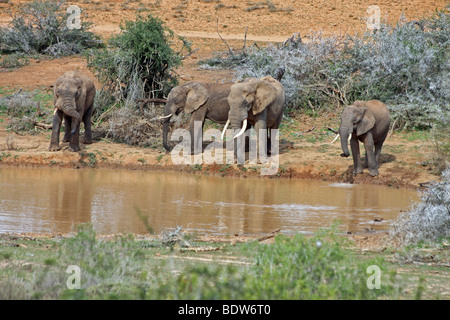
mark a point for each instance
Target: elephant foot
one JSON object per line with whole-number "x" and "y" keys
{"x": 66, "y": 138}
{"x": 54, "y": 147}
{"x": 358, "y": 171}
{"x": 74, "y": 148}
{"x": 87, "y": 141}
{"x": 373, "y": 172}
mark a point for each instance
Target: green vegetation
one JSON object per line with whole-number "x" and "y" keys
{"x": 428, "y": 221}
{"x": 322, "y": 266}
{"x": 138, "y": 64}
{"x": 140, "y": 61}
{"x": 40, "y": 27}
{"x": 405, "y": 66}
{"x": 25, "y": 109}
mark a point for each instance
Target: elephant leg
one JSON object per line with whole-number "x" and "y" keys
{"x": 74, "y": 145}
{"x": 56, "y": 127}
{"x": 196, "y": 130}
{"x": 275, "y": 126}
{"x": 357, "y": 165}
{"x": 378, "y": 147}
{"x": 370, "y": 155}
{"x": 261, "y": 135}
{"x": 67, "y": 128}
{"x": 87, "y": 125}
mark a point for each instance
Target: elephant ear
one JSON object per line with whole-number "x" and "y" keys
{"x": 196, "y": 97}
{"x": 265, "y": 94}
{"x": 367, "y": 122}
{"x": 80, "y": 97}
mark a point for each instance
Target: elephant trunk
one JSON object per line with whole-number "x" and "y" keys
{"x": 68, "y": 107}
{"x": 238, "y": 120}
{"x": 166, "y": 124}
{"x": 344, "y": 132}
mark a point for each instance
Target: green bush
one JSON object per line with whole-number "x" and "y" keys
{"x": 40, "y": 27}
{"x": 300, "y": 267}
{"x": 138, "y": 64}
{"x": 140, "y": 61}
{"x": 24, "y": 109}
{"x": 317, "y": 267}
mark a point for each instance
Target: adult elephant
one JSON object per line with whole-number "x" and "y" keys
{"x": 73, "y": 98}
{"x": 202, "y": 101}
{"x": 368, "y": 122}
{"x": 259, "y": 102}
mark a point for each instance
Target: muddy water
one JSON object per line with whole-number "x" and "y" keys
{"x": 57, "y": 200}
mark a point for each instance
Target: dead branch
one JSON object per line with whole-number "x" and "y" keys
{"x": 244, "y": 48}
{"x": 229, "y": 48}
{"x": 145, "y": 101}
{"x": 43, "y": 125}
{"x": 202, "y": 249}
{"x": 189, "y": 54}
{"x": 271, "y": 235}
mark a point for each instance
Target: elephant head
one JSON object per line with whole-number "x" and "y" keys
{"x": 188, "y": 97}
{"x": 356, "y": 120}
{"x": 252, "y": 96}
{"x": 68, "y": 95}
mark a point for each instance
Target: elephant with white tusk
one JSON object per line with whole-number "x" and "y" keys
{"x": 202, "y": 101}
{"x": 74, "y": 95}
{"x": 256, "y": 102}
{"x": 368, "y": 122}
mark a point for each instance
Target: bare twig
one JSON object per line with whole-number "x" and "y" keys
{"x": 271, "y": 235}
{"x": 244, "y": 48}
{"x": 154, "y": 100}
{"x": 393, "y": 127}
{"x": 43, "y": 125}
{"x": 189, "y": 54}
{"x": 229, "y": 48}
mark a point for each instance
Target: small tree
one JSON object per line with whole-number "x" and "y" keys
{"x": 140, "y": 61}
{"x": 41, "y": 27}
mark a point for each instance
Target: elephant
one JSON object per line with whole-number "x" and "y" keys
{"x": 202, "y": 100}
{"x": 368, "y": 122}
{"x": 259, "y": 102}
{"x": 73, "y": 98}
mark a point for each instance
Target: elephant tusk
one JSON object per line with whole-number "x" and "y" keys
{"x": 335, "y": 138}
{"x": 225, "y": 129}
{"x": 349, "y": 137}
{"x": 165, "y": 117}
{"x": 244, "y": 127}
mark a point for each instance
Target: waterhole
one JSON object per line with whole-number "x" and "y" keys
{"x": 57, "y": 200}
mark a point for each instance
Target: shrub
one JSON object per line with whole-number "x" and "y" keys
{"x": 13, "y": 61}
{"x": 429, "y": 221}
{"x": 24, "y": 110}
{"x": 316, "y": 267}
{"x": 140, "y": 61}
{"x": 133, "y": 127}
{"x": 405, "y": 66}
{"x": 40, "y": 26}
{"x": 139, "y": 64}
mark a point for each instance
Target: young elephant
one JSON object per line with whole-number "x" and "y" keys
{"x": 368, "y": 122}
{"x": 74, "y": 95}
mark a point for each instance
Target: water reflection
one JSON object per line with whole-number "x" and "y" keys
{"x": 56, "y": 200}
